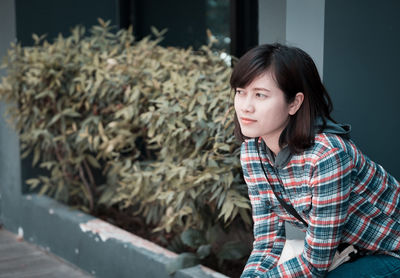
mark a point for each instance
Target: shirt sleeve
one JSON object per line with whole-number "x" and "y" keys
{"x": 331, "y": 185}
{"x": 269, "y": 232}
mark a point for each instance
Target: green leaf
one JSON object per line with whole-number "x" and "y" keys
{"x": 193, "y": 238}
{"x": 36, "y": 155}
{"x": 71, "y": 113}
{"x": 107, "y": 197}
{"x": 35, "y": 37}
{"x": 54, "y": 120}
{"x": 43, "y": 189}
{"x": 93, "y": 161}
{"x": 204, "y": 251}
{"x": 33, "y": 183}
{"x": 202, "y": 98}
{"x": 226, "y": 209}
{"x": 224, "y": 147}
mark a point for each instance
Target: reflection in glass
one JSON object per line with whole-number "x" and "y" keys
{"x": 217, "y": 21}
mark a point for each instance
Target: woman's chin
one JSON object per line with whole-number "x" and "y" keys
{"x": 250, "y": 134}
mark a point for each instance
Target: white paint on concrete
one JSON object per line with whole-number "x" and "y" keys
{"x": 107, "y": 231}
{"x": 20, "y": 234}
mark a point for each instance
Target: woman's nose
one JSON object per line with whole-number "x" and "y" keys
{"x": 248, "y": 105}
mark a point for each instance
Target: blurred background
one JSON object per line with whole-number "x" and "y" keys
{"x": 354, "y": 44}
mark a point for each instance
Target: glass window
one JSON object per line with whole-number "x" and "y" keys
{"x": 218, "y": 22}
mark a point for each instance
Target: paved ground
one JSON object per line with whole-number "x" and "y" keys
{"x": 20, "y": 259}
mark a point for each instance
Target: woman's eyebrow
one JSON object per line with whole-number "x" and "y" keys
{"x": 262, "y": 89}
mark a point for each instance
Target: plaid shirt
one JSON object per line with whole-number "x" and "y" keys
{"x": 338, "y": 191}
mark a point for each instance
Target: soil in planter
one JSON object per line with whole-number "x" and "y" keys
{"x": 136, "y": 225}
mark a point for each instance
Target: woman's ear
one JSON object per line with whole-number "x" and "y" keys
{"x": 296, "y": 103}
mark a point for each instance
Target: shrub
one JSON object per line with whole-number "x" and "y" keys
{"x": 157, "y": 121}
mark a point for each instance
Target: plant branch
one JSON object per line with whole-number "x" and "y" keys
{"x": 64, "y": 168}
{"x": 87, "y": 186}
{"x": 90, "y": 175}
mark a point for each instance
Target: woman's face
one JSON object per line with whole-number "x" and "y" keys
{"x": 262, "y": 109}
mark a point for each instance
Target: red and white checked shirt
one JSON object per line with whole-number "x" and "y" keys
{"x": 338, "y": 191}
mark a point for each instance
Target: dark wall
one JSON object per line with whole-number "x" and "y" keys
{"x": 361, "y": 73}
{"x": 185, "y": 20}
{"x": 53, "y": 16}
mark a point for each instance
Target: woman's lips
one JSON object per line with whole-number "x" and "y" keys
{"x": 247, "y": 121}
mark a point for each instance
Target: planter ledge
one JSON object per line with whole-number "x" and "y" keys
{"x": 96, "y": 246}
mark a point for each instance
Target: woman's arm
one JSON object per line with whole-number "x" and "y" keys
{"x": 331, "y": 186}
{"x": 269, "y": 238}
{"x": 269, "y": 230}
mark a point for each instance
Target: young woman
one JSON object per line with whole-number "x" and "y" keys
{"x": 301, "y": 167}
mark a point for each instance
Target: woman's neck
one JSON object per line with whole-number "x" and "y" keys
{"x": 272, "y": 143}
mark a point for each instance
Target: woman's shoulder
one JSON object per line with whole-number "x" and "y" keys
{"x": 329, "y": 143}
{"x": 330, "y": 140}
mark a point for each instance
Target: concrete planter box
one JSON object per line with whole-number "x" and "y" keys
{"x": 91, "y": 244}
{"x": 95, "y": 246}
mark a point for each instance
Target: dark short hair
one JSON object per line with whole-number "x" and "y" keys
{"x": 294, "y": 71}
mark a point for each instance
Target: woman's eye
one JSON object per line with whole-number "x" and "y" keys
{"x": 239, "y": 92}
{"x": 260, "y": 95}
